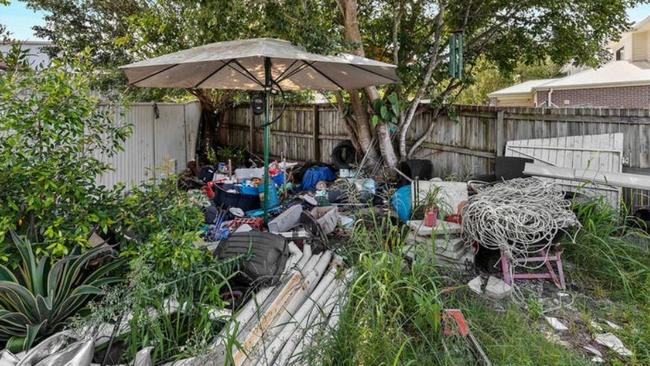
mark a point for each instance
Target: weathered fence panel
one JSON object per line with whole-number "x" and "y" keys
{"x": 462, "y": 143}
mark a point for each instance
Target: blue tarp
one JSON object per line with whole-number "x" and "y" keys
{"x": 401, "y": 202}
{"x": 315, "y": 174}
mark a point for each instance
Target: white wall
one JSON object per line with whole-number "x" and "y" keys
{"x": 639, "y": 46}
{"x": 157, "y": 146}
{"x": 36, "y": 56}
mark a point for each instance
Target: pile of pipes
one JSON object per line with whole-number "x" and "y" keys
{"x": 279, "y": 323}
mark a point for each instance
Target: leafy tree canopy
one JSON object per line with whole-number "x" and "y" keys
{"x": 413, "y": 34}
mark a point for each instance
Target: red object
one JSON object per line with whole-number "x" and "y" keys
{"x": 457, "y": 219}
{"x": 254, "y": 222}
{"x": 209, "y": 190}
{"x": 454, "y": 316}
{"x": 431, "y": 218}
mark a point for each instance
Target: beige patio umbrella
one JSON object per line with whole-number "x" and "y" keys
{"x": 259, "y": 64}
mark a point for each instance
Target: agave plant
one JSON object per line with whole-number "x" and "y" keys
{"x": 37, "y": 298}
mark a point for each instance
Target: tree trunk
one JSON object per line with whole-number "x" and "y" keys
{"x": 352, "y": 34}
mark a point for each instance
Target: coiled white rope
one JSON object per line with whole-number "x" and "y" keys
{"x": 520, "y": 217}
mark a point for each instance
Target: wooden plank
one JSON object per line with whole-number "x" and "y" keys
{"x": 316, "y": 130}
{"x": 459, "y": 150}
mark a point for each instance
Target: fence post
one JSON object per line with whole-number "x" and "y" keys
{"x": 500, "y": 133}
{"x": 316, "y": 137}
{"x": 251, "y": 129}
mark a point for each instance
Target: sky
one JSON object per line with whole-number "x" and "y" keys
{"x": 20, "y": 20}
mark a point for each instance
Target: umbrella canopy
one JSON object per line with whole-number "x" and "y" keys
{"x": 241, "y": 65}
{"x": 258, "y": 64}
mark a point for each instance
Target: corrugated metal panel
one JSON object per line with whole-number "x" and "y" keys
{"x": 169, "y": 139}
{"x": 192, "y": 118}
{"x": 153, "y": 142}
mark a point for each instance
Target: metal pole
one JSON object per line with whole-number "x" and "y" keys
{"x": 267, "y": 132}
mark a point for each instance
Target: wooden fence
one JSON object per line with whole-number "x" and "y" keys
{"x": 463, "y": 142}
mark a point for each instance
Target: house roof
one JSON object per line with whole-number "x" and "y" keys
{"x": 522, "y": 88}
{"x": 617, "y": 73}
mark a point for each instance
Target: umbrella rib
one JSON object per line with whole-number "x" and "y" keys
{"x": 325, "y": 76}
{"x": 212, "y": 73}
{"x": 373, "y": 72}
{"x": 154, "y": 74}
{"x": 285, "y": 71}
{"x": 247, "y": 74}
{"x": 298, "y": 69}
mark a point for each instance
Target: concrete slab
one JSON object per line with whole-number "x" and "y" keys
{"x": 476, "y": 284}
{"x": 442, "y": 228}
{"x": 497, "y": 289}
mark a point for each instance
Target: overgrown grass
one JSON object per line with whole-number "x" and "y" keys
{"x": 612, "y": 262}
{"x": 609, "y": 254}
{"x": 393, "y": 312}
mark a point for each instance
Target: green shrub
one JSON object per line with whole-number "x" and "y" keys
{"x": 163, "y": 224}
{"x": 52, "y": 130}
{"x": 37, "y": 299}
{"x": 145, "y": 300}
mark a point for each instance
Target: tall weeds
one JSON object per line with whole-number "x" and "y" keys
{"x": 611, "y": 252}
{"x": 392, "y": 315}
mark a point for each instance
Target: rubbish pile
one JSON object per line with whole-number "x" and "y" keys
{"x": 437, "y": 235}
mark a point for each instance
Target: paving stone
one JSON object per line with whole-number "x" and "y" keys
{"x": 497, "y": 289}
{"x": 556, "y": 324}
{"x": 476, "y": 284}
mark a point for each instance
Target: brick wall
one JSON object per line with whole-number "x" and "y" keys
{"x": 617, "y": 97}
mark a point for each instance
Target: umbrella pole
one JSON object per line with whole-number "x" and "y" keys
{"x": 267, "y": 132}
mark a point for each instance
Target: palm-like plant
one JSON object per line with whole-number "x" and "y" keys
{"x": 37, "y": 298}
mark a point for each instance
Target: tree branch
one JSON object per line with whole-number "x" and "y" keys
{"x": 435, "y": 49}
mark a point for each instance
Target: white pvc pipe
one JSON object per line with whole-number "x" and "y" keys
{"x": 307, "y": 306}
{"x": 312, "y": 310}
{"x": 330, "y": 310}
{"x": 306, "y": 254}
{"x": 283, "y": 315}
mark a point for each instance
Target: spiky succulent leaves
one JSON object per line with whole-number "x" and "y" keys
{"x": 36, "y": 300}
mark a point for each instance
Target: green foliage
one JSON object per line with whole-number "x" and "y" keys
{"x": 52, "y": 131}
{"x": 609, "y": 251}
{"x": 15, "y": 59}
{"x": 393, "y": 311}
{"x": 171, "y": 311}
{"x": 509, "y": 336}
{"x": 387, "y": 110}
{"x": 36, "y": 299}
{"x": 162, "y": 224}
{"x": 184, "y": 333}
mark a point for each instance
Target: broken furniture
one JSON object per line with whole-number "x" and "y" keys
{"x": 508, "y": 268}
